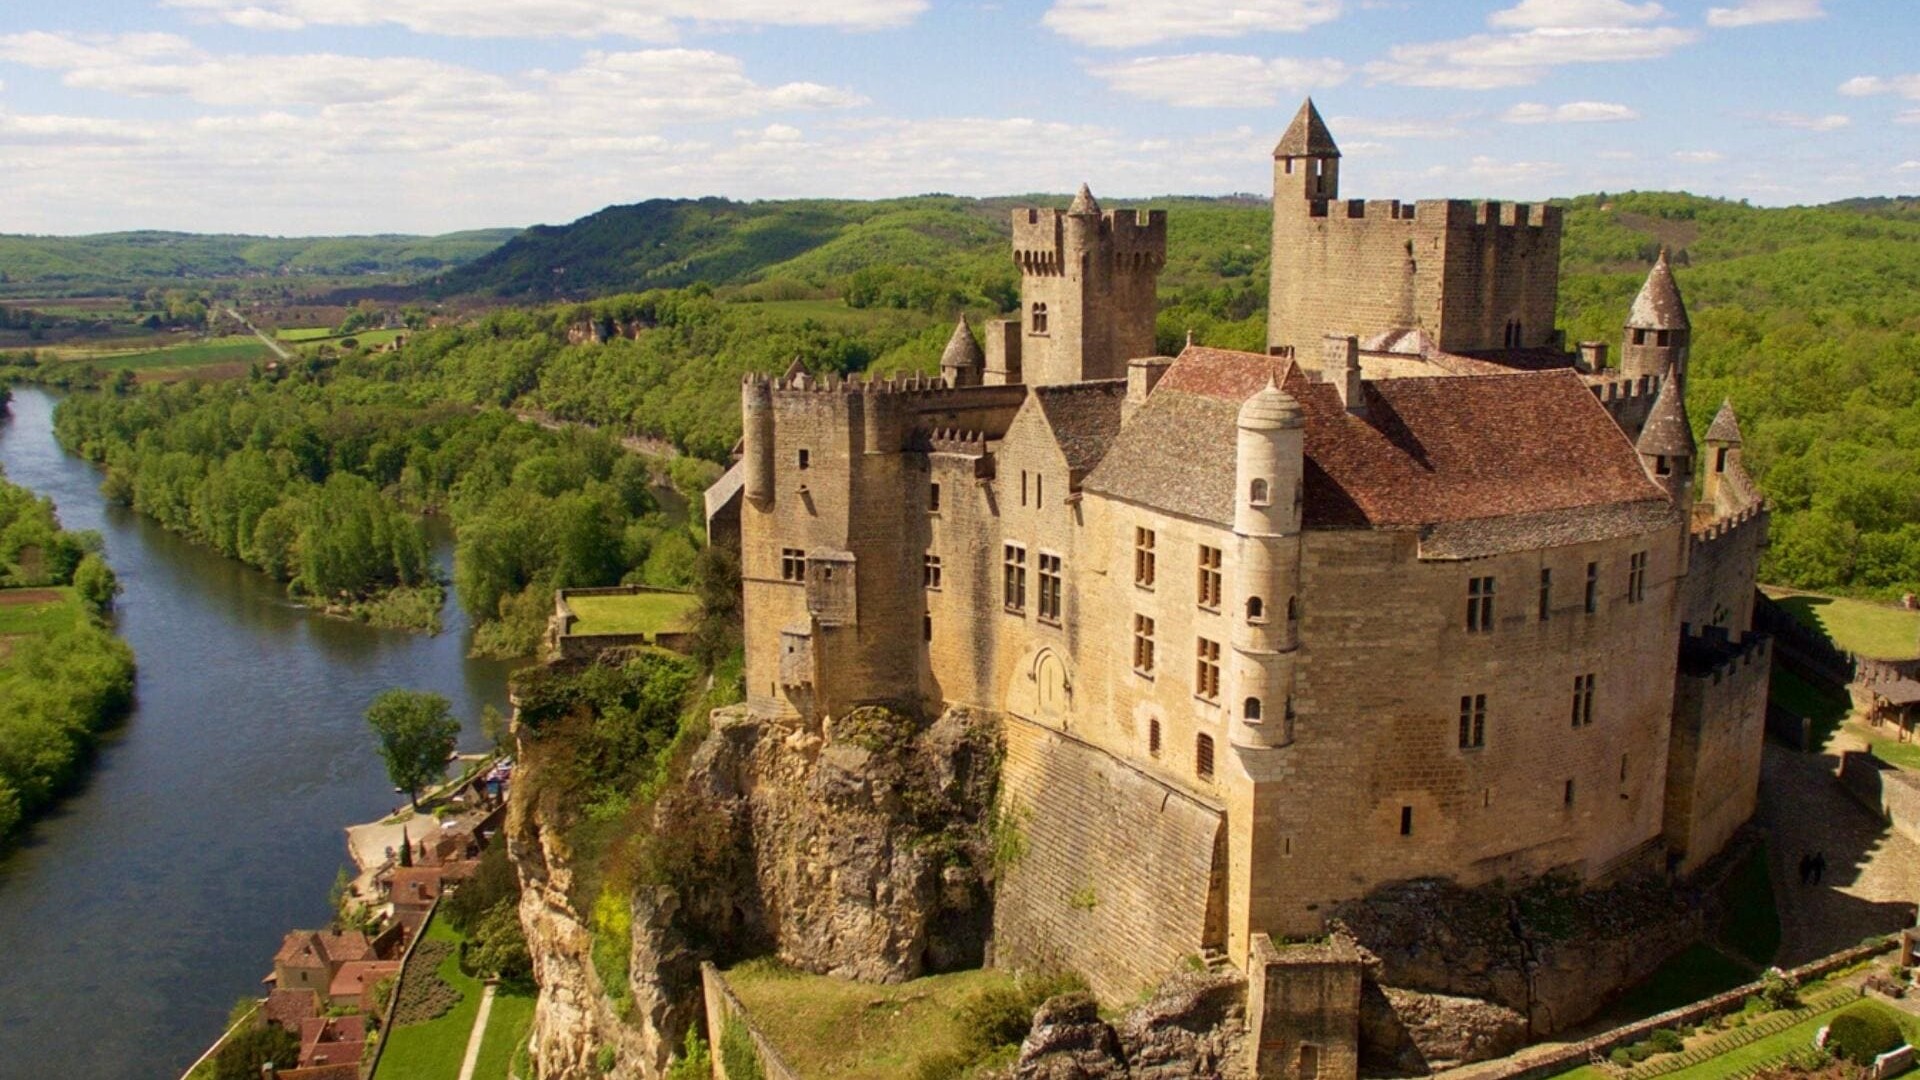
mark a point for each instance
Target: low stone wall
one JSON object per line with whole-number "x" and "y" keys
{"x": 565, "y": 645}
{"x": 723, "y": 1006}
{"x": 1887, "y": 790}
{"x": 1524, "y": 1066}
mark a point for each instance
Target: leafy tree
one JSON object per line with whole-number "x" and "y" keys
{"x": 96, "y": 583}
{"x": 250, "y": 1048}
{"x": 417, "y": 733}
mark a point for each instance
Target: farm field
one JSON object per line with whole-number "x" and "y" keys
{"x": 32, "y": 612}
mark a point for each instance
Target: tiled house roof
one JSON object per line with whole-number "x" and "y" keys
{"x": 1426, "y": 451}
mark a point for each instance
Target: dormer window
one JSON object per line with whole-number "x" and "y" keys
{"x": 1257, "y": 493}
{"x": 1661, "y": 466}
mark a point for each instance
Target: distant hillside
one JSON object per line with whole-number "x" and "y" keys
{"x": 120, "y": 259}
{"x": 817, "y": 243}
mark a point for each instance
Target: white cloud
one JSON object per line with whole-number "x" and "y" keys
{"x": 1218, "y": 79}
{"x": 1531, "y": 14}
{"x": 1573, "y": 112}
{"x": 646, "y": 87}
{"x": 1492, "y": 173}
{"x": 1907, "y": 166}
{"x": 1401, "y": 128}
{"x": 1119, "y": 24}
{"x": 1699, "y": 157}
{"x": 1829, "y": 122}
{"x": 1911, "y": 116}
{"x": 1757, "y": 12}
{"x": 1907, "y": 86}
{"x": 645, "y": 20}
{"x": 1491, "y": 61}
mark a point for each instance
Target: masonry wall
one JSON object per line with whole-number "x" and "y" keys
{"x": 1723, "y": 566}
{"x": 1713, "y": 757}
{"x": 1304, "y": 1007}
{"x": 1116, "y": 871}
{"x": 1458, "y": 270}
{"x": 1324, "y": 816}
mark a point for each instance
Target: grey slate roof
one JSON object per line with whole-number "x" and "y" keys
{"x": 1084, "y": 202}
{"x": 1482, "y": 537}
{"x": 1726, "y": 426}
{"x": 1307, "y": 136}
{"x": 1084, "y": 418}
{"x": 1667, "y": 431}
{"x": 1659, "y": 307}
{"x": 962, "y": 350}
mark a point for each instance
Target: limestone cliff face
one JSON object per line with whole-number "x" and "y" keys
{"x": 1469, "y": 974}
{"x": 859, "y": 850}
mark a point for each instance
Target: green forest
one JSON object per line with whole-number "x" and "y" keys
{"x": 64, "y": 677}
{"x": 322, "y": 480}
{"x": 1807, "y": 318}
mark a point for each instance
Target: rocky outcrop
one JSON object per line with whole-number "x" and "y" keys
{"x": 868, "y": 839}
{"x": 1462, "y": 975}
{"x": 858, "y": 850}
{"x": 1194, "y": 1027}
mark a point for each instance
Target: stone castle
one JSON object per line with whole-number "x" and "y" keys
{"x": 1417, "y": 593}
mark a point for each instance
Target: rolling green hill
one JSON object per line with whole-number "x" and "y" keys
{"x": 119, "y": 259}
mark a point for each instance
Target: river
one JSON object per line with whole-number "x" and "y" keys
{"x": 151, "y": 899}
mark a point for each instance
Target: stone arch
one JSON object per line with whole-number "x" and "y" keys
{"x": 1042, "y": 689}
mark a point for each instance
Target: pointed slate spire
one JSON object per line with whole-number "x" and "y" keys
{"x": 1667, "y": 433}
{"x": 962, "y": 350}
{"x": 1307, "y": 136}
{"x": 1659, "y": 307}
{"x": 1084, "y": 203}
{"x": 1725, "y": 428}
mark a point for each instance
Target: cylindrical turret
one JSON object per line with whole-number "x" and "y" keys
{"x": 882, "y": 421}
{"x": 1266, "y": 524}
{"x": 756, "y": 417}
{"x": 1658, "y": 333}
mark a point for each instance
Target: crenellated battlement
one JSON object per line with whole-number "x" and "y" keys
{"x": 1615, "y": 391}
{"x": 908, "y": 384}
{"x": 964, "y": 441}
{"x": 1044, "y": 239}
{"x": 1723, "y": 528}
{"x": 1713, "y": 654}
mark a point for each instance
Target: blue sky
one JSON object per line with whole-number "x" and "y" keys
{"x": 337, "y": 116}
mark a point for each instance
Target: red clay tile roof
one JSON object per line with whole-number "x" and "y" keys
{"x": 1428, "y": 450}
{"x": 332, "y": 1040}
{"x": 349, "y": 1071}
{"x": 354, "y": 977}
{"x": 297, "y": 950}
{"x": 287, "y": 1008}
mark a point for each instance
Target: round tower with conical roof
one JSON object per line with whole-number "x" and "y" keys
{"x": 1265, "y": 608}
{"x": 1723, "y": 455}
{"x": 961, "y": 362}
{"x": 1667, "y": 450}
{"x": 1658, "y": 334}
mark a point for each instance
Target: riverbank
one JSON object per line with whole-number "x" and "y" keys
{"x": 211, "y": 819}
{"x": 65, "y": 679}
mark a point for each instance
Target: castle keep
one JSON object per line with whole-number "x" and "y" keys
{"x": 1416, "y": 593}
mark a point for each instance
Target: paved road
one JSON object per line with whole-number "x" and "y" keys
{"x": 1873, "y": 874}
{"x": 479, "y": 1034}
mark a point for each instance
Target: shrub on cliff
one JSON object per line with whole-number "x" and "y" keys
{"x": 1001, "y": 1016}
{"x": 1861, "y": 1033}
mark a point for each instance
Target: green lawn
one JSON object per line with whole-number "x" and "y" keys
{"x": 831, "y": 311}
{"x": 857, "y": 1031}
{"x": 1858, "y": 626}
{"x": 1890, "y": 750}
{"x": 434, "y": 1050}
{"x": 303, "y": 333}
{"x": 642, "y": 613}
{"x": 1742, "y": 1059}
{"x": 507, "y": 1028}
{"x": 1826, "y": 708}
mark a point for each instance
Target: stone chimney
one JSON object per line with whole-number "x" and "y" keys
{"x": 1341, "y": 367}
{"x": 1593, "y": 356}
{"x": 1143, "y": 374}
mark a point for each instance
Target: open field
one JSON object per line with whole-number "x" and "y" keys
{"x": 1881, "y": 631}
{"x": 643, "y": 613}
{"x": 36, "y": 611}
{"x": 303, "y": 333}
{"x": 433, "y": 1050}
{"x": 857, "y": 1031}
